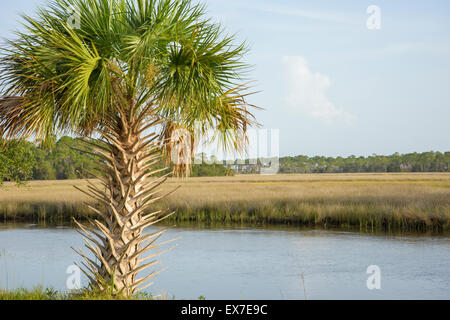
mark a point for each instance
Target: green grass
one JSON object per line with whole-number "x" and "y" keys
{"x": 40, "y": 293}
{"x": 369, "y": 202}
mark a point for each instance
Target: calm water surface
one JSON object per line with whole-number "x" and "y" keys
{"x": 251, "y": 263}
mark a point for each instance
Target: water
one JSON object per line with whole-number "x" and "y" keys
{"x": 251, "y": 263}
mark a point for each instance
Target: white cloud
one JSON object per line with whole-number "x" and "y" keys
{"x": 306, "y": 92}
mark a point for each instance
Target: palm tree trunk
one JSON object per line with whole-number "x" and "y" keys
{"x": 129, "y": 190}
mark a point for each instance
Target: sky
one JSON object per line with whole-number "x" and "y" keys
{"x": 338, "y": 78}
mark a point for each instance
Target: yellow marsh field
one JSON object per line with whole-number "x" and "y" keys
{"x": 398, "y": 201}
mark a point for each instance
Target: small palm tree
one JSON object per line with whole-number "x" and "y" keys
{"x": 127, "y": 73}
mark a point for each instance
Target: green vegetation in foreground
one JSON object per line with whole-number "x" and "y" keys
{"x": 40, "y": 293}
{"x": 368, "y": 202}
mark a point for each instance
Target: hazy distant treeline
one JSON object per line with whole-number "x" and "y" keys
{"x": 411, "y": 162}
{"x": 23, "y": 160}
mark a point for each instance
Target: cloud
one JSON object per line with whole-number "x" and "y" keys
{"x": 306, "y": 92}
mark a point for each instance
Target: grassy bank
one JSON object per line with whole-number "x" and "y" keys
{"x": 40, "y": 293}
{"x": 367, "y": 201}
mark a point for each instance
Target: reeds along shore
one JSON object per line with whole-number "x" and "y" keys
{"x": 410, "y": 202}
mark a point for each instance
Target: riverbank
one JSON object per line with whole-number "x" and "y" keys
{"x": 410, "y": 202}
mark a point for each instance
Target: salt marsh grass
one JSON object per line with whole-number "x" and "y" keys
{"x": 368, "y": 201}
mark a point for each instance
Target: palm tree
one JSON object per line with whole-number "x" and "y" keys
{"x": 127, "y": 73}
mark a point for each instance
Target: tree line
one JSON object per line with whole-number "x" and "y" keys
{"x": 22, "y": 160}
{"x": 411, "y": 162}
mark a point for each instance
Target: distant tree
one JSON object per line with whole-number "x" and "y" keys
{"x": 16, "y": 161}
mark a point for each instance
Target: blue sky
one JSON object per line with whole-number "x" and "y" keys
{"x": 329, "y": 84}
